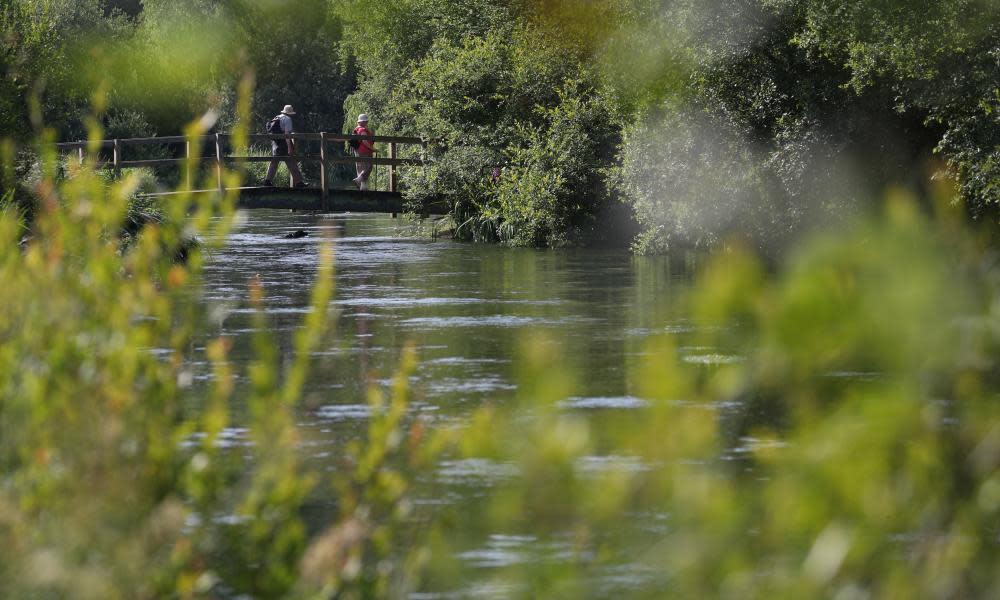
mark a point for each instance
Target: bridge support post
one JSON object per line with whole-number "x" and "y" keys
{"x": 117, "y": 159}
{"x": 392, "y": 167}
{"x": 323, "y": 193}
{"x": 218, "y": 161}
{"x": 79, "y": 152}
{"x": 392, "y": 170}
{"x": 188, "y": 165}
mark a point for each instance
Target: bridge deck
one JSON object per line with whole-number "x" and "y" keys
{"x": 338, "y": 200}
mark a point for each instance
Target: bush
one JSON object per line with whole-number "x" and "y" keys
{"x": 553, "y": 189}
{"x": 495, "y": 95}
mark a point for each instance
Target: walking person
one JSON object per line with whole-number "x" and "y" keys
{"x": 285, "y": 147}
{"x": 364, "y": 148}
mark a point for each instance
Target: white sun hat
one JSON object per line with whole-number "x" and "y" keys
{"x": 288, "y": 110}
{"x": 362, "y": 118}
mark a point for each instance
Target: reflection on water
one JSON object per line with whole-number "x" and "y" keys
{"x": 467, "y": 309}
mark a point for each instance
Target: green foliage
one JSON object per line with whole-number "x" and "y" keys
{"x": 850, "y": 451}
{"x": 939, "y": 61}
{"x": 293, "y": 49}
{"x": 741, "y": 118}
{"x": 112, "y": 485}
{"x": 91, "y": 419}
{"x": 37, "y": 45}
{"x": 553, "y": 190}
{"x": 167, "y": 64}
{"x": 494, "y": 92}
{"x": 878, "y": 489}
{"x": 787, "y": 101}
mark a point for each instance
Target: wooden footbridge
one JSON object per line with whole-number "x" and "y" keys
{"x": 319, "y": 196}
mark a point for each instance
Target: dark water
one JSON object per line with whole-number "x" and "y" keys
{"x": 468, "y": 309}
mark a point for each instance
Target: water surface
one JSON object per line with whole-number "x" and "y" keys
{"x": 468, "y": 309}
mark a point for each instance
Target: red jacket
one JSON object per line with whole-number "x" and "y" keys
{"x": 365, "y": 147}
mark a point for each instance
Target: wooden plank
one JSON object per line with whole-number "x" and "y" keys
{"x": 152, "y": 163}
{"x": 347, "y": 200}
{"x": 133, "y": 141}
{"x": 172, "y": 139}
{"x": 83, "y": 145}
{"x": 238, "y": 159}
{"x": 268, "y": 137}
{"x": 347, "y": 160}
{"x": 397, "y": 139}
{"x": 296, "y": 157}
{"x": 178, "y": 139}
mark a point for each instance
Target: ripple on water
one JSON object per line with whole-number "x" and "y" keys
{"x": 593, "y": 465}
{"x": 461, "y": 360}
{"x": 856, "y": 375}
{"x": 500, "y": 551}
{"x": 486, "y": 589}
{"x": 646, "y": 331}
{"x": 712, "y": 359}
{"x": 481, "y": 385}
{"x": 488, "y": 321}
{"x": 750, "y": 445}
{"x": 343, "y": 412}
{"x": 480, "y": 471}
{"x": 382, "y": 302}
{"x": 614, "y": 579}
{"x": 599, "y": 402}
{"x": 230, "y": 437}
{"x": 275, "y": 310}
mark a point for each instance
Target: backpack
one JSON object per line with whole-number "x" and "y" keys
{"x": 354, "y": 144}
{"x": 273, "y": 127}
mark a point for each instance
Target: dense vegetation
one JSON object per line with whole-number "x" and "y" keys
{"x": 560, "y": 124}
{"x": 710, "y": 120}
{"x": 744, "y": 122}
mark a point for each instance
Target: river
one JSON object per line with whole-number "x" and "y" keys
{"x": 467, "y": 308}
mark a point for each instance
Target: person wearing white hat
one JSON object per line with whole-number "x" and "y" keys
{"x": 364, "y": 148}
{"x": 285, "y": 148}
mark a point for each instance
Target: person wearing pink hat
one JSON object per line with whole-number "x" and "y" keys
{"x": 285, "y": 148}
{"x": 364, "y": 148}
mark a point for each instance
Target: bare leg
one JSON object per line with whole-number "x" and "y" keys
{"x": 364, "y": 170}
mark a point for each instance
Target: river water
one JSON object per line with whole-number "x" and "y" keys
{"x": 467, "y": 309}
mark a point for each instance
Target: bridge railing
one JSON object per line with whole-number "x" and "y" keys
{"x": 221, "y": 141}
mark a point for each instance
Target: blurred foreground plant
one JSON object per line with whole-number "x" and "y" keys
{"x": 113, "y": 483}
{"x": 851, "y": 451}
